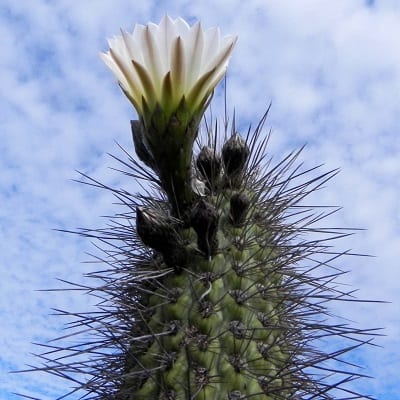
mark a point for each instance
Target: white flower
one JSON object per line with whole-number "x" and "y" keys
{"x": 163, "y": 65}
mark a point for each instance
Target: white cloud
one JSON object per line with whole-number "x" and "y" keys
{"x": 331, "y": 69}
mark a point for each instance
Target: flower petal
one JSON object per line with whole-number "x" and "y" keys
{"x": 147, "y": 83}
{"x": 131, "y": 46}
{"x": 222, "y": 56}
{"x": 178, "y": 67}
{"x": 151, "y": 58}
{"x": 131, "y": 80}
{"x": 198, "y": 91}
{"x": 109, "y": 61}
{"x": 211, "y": 45}
{"x": 158, "y": 66}
{"x": 195, "y": 47}
{"x": 166, "y": 35}
{"x": 182, "y": 28}
{"x": 167, "y": 93}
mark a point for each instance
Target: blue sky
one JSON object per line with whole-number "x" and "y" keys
{"x": 332, "y": 73}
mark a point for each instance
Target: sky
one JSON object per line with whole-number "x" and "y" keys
{"x": 330, "y": 69}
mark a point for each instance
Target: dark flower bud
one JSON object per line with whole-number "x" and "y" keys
{"x": 141, "y": 148}
{"x": 155, "y": 229}
{"x": 204, "y": 220}
{"x": 209, "y": 165}
{"x": 159, "y": 232}
{"x": 235, "y": 153}
{"x": 239, "y": 205}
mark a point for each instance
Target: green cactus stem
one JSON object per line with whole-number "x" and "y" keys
{"x": 226, "y": 303}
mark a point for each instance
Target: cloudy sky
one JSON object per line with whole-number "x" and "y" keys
{"x": 332, "y": 72}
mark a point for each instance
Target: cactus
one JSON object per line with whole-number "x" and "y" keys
{"x": 213, "y": 289}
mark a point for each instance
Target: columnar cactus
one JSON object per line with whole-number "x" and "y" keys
{"x": 213, "y": 290}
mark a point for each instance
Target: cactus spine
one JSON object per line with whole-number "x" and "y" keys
{"x": 227, "y": 305}
{"x": 213, "y": 291}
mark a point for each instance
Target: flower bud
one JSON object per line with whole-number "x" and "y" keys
{"x": 204, "y": 220}
{"x": 235, "y": 153}
{"x": 141, "y": 148}
{"x": 239, "y": 205}
{"x": 209, "y": 165}
{"x": 155, "y": 230}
